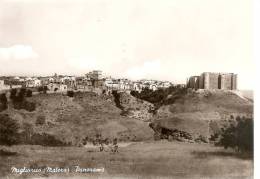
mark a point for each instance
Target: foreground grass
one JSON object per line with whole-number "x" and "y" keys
{"x": 150, "y": 159}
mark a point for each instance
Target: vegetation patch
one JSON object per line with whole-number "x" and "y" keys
{"x": 237, "y": 135}
{"x": 8, "y": 130}
{"x": 7, "y": 153}
{"x": 161, "y": 96}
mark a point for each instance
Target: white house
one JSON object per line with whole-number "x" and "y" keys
{"x": 32, "y": 82}
{"x": 3, "y": 86}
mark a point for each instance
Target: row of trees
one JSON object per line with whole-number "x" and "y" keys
{"x": 18, "y": 97}
{"x": 19, "y": 101}
{"x": 161, "y": 96}
{"x": 43, "y": 89}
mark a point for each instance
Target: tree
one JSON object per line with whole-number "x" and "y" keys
{"x": 29, "y": 93}
{"x": 40, "y": 89}
{"x": 45, "y": 89}
{"x": 160, "y": 96}
{"x": 8, "y": 130}
{"x": 28, "y": 130}
{"x": 13, "y": 93}
{"x": 238, "y": 136}
{"x": 20, "y": 95}
{"x": 3, "y": 102}
{"x": 22, "y": 91}
{"x": 70, "y": 93}
{"x": 40, "y": 120}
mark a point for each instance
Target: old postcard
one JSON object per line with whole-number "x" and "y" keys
{"x": 126, "y": 89}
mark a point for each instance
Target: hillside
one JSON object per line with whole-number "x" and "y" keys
{"x": 249, "y": 94}
{"x": 202, "y": 112}
{"x": 185, "y": 115}
{"x": 72, "y": 119}
{"x": 134, "y": 107}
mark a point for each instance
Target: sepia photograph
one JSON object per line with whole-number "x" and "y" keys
{"x": 127, "y": 89}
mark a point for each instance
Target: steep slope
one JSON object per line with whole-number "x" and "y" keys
{"x": 72, "y": 119}
{"x": 248, "y": 94}
{"x": 197, "y": 111}
{"x": 134, "y": 107}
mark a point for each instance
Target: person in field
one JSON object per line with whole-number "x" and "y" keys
{"x": 115, "y": 146}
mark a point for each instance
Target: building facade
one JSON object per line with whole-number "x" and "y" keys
{"x": 209, "y": 80}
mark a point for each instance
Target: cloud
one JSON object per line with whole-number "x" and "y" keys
{"x": 17, "y": 52}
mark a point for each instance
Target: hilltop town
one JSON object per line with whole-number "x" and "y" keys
{"x": 96, "y": 81}
{"x": 93, "y": 81}
{"x": 49, "y": 118}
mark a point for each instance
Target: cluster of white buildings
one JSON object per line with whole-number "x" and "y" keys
{"x": 125, "y": 84}
{"x": 92, "y": 80}
{"x": 18, "y": 82}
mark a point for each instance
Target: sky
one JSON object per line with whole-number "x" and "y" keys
{"x": 136, "y": 39}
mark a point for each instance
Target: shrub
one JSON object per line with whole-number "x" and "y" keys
{"x": 40, "y": 120}
{"x": 201, "y": 139}
{"x": 13, "y": 93}
{"x": 19, "y": 100}
{"x": 70, "y": 93}
{"x": 29, "y": 106}
{"x": 238, "y": 136}
{"x": 8, "y": 130}
{"x": 46, "y": 140}
{"x": 3, "y": 102}
{"x": 20, "y": 95}
{"x": 45, "y": 89}
{"x": 40, "y": 89}
{"x": 117, "y": 99}
{"x": 22, "y": 91}
{"x": 28, "y": 132}
{"x": 160, "y": 96}
{"x": 29, "y": 93}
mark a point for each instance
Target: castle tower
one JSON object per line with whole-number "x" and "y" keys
{"x": 206, "y": 80}
{"x": 234, "y": 82}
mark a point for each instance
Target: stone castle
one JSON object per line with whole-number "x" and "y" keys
{"x": 209, "y": 80}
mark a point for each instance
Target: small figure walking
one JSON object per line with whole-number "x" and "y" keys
{"x": 115, "y": 146}
{"x": 101, "y": 148}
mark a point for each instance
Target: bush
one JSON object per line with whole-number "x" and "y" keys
{"x": 160, "y": 96}
{"x": 28, "y": 132}
{"x": 13, "y": 93}
{"x": 29, "y": 106}
{"x": 45, "y": 89}
{"x": 40, "y": 120}
{"x": 40, "y": 89}
{"x": 20, "y": 96}
{"x": 29, "y": 93}
{"x": 3, "y": 102}
{"x": 8, "y": 130}
{"x": 46, "y": 140}
{"x": 70, "y": 93}
{"x": 238, "y": 136}
{"x": 201, "y": 138}
{"x": 22, "y": 91}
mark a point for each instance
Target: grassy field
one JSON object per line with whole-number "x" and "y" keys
{"x": 137, "y": 160}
